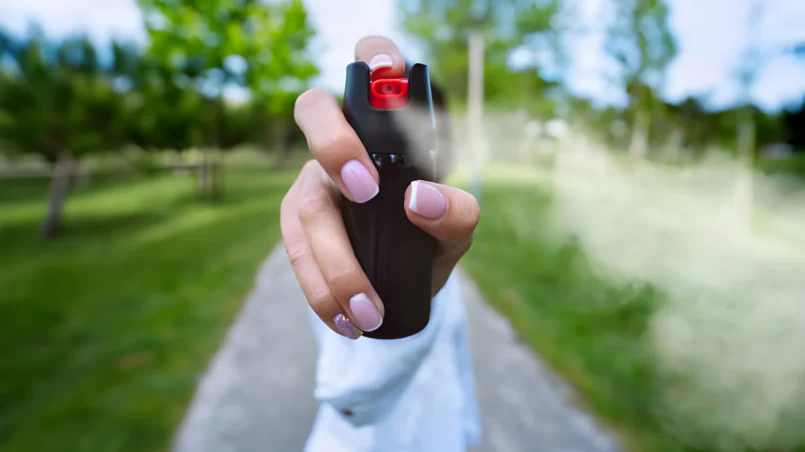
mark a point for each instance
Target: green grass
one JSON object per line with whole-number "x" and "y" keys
{"x": 107, "y": 329}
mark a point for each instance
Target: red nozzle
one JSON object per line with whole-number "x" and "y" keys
{"x": 389, "y": 93}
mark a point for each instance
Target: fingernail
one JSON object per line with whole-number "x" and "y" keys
{"x": 380, "y": 60}
{"x": 342, "y": 323}
{"x": 365, "y": 313}
{"x": 359, "y": 182}
{"x": 426, "y": 200}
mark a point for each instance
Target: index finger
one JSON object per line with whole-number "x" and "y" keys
{"x": 336, "y": 146}
{"x": 382, "y": 56}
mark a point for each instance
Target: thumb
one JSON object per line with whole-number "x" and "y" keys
{"x": 447, "y": 213}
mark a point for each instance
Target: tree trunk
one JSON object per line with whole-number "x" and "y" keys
{"x": 279, "y": 141}
{"x": 639, "y": 144}
{"x": 746, "y": 137}
{"x": 201, "y": 174}
{"x": 209, "y": 180}
{"x": 744, "y": 190}
{"x": 63, "y": 171}
{"x": 211, "y": 175}
{"x": 676, "y": 141}
{"x": 217, "y": 175}
{"x": 206, "y": 174}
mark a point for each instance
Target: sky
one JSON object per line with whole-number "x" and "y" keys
{"x": 711, "y": 35}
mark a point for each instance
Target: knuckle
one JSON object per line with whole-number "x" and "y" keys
{"x": 340, "y": 143}
{"x": 454, "y": 250}
{"x": 314, "y": 175}
{"x": 286, "y": 206}
{"x": 465, "y": 247}
{"x": 374, "y": 43}
{"x": 310, "y": 98}
{"x": 321, "y": 301}
{"x": 310, "y": 167}
{"x": 288, "y": 217}
{"x": 473, "y": 213}
{"x": 297, "y": 256}
{"x": 314, "y": 205}
{"x": 463, "y": 217}
{"x": 345, "y": 281}
{"x": 467, "y": 212}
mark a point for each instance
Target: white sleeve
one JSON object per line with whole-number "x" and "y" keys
{"x": 368, "y": 376}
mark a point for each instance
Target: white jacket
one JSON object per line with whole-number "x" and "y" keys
{"x": 415, "y": 394}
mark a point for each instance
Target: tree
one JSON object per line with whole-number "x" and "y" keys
{"x": 278, "y": 68}
{"x": 164, "y": 115}
{"x": 755, "y": 54}
{"x": 794, "y": 122}
{"x": 444, "y": 27}
{"x": 192, "y": 40}
{"x": 640, "y": 41}
{"x": 57, "y": 100}
{"x": 211, "y": 44}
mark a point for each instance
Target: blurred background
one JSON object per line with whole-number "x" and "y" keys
{"x": 640, "y": 165}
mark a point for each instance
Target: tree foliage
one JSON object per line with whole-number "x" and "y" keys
{"x": 66, "y": 98}
{"x": 443, "y": 27}
{"x": 59, "y": 96}
{"x": 207, "y": 46}
{"x": 58, "y": 99}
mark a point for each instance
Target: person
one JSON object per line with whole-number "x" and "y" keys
{"x": 410, "y": 394}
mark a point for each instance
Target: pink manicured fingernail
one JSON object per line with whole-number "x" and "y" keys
{"x": 381, "y": 60}
{"x": 426, "y": 200}
{"x": 364, "y": 313}
{"x": 359, "y": 182}
{"x": 342, "y": 323}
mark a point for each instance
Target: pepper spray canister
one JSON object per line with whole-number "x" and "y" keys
{"x": 395, "y": 121}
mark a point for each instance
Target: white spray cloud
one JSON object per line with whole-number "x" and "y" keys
{"x": 729, "y": 336}
{"x": 729, "y": 339}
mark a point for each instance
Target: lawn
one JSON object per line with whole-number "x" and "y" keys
{"x": 107, "y": 329}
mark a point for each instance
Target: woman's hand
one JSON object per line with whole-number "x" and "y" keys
{"x": 312, "y": 228}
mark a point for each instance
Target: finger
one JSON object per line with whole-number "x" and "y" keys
{"x": 328, "y": 241}
{"x": 444, "y": 212}
{"x": 336, "y": 145}
{"x": 305, "y": 267}
{"x": 448, "y": 214}
{"x": 382, "y": 56}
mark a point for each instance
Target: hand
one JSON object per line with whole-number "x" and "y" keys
{"x": 313, "y": 231}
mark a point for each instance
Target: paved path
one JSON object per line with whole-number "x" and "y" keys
{"x": 257, "y": 398}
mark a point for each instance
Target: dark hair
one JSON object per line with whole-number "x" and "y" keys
{"x": 438, "y": 94}
{"x": 445, "y": 156}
